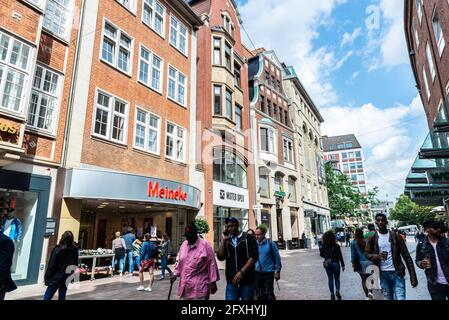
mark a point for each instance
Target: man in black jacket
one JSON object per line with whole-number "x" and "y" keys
{"x": 241, "y": 253}
{"x": 432, "y": 255}
{"x": 6, "y": 255}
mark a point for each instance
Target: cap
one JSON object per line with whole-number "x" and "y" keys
{"x": 232, "y": 220}
{"x": 434, "y": 224}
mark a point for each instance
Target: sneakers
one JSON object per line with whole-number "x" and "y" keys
{"x": 141, "y": 288}
{"x": 148, "y": 289}
{"x": 161, "y": 278}
{"x": 338, "y": 295}
{"x": 332, "y": 297}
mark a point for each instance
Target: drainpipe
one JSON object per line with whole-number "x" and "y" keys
{"x": 72, "y": 87}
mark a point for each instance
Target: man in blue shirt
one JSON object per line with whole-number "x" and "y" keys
{"x": 129, "y": 238}
{"x": 268, "y": 266}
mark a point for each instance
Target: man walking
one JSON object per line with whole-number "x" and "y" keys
{"x": 129, "y": 238}
{"x": 268, "y": 266}
{"x": 6, "y": 254}
{"x": 385, "y": 249}
{"x": 241, "y": 253}
{"x": 196, "y": 267}
{"x": 148, "y": 254}
{"x": 432, "y": 255}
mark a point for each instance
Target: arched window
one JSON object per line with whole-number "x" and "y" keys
{"x": 230, "y": 169}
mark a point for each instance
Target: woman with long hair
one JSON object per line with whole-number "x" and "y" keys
{"x": 358, "y": 259}
{"x": 64, "y": 255}
{"x": 333, "y": 258}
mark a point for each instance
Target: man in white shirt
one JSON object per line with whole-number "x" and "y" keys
{"x": 432, "y": 255}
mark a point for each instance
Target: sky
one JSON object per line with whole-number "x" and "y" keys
{"x": 351, "y": 56}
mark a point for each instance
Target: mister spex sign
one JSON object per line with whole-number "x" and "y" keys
{"x": 229, "y": 196}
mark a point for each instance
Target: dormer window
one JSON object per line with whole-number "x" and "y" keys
{"x": 227, "y": 24}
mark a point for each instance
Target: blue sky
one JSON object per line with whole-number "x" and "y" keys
{"x": 352, "y": 58}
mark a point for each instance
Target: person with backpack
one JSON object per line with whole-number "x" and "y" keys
{"x": 148, "y": 254}
{"x": 268, "y": 266}
{"x": 65, "y": 254}
{"x": 137, "y": 246}
{"x": 129, "y": 238}
{"x": 359, "y": 261}
{"x": 165, "y": 255}
{"x": 331, "y": 252}
{"x": 241, "y": 253}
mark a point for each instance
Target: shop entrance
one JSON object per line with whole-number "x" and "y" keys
{"x": 280, "y": 242}
{"x": 220, "y": 214}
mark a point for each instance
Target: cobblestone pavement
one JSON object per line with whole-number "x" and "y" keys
{"x": 302, "y": 278}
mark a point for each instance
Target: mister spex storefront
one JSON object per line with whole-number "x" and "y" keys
{"x": 98, "y": 203}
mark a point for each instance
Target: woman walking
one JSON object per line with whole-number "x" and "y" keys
{"x": 358, "y": 259}
{"x": 65, "y": 254}
{"x": 119, "y": 248}
{"x": 165, "y": 255}
{"x": 331, "y": 253}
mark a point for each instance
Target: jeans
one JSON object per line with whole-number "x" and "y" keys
{"x": 392, "y": 285}
{"x": 51, "y": 290}
{"x": 265, "y": 286}
{"x": 241, "y": 292}
{"x": 136, "y": 263}
{"x": 129, "y": 257}
{"x": 438, "y": 291}
{"x": 333, "y": 274}
{"x": 164, "y": 265}
{"x": 121, "y": 263}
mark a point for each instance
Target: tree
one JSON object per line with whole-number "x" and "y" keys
{"x": 202, "y": 226}
{"x": 407, "y": 212}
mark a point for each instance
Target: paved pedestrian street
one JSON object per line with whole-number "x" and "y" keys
{"x": 302, "y": 278}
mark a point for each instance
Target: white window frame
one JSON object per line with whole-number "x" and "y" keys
{"x": 441, "y": 44}
{"x": 177, "y": 45}
{"x": 153, "y": 16}
{"x": 6, "y": 66}
{"x": 430, "y": 62}
{"x": 214, "y": 38}
{"x": 132, "y": 8}
{"x": 289, "y": 156}
{"x": 68, "y": 22}
{"x": 37, "y": 3}
{"x": 419, "y": 10}
{"x": 416, "y": 34}
{"x": 110, "y": 120}
{"x": 147, "y": 127}
{"x": 151, "y": 66}
{"x": 175, "y": 138}
{"x": 40, "y": 92}
{"x": 272, "y": 145}
{"x": 426, "y": 83}
{"x": 117, "y": 46}
{"x": 177, "y": 84}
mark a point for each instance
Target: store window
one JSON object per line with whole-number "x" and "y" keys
{"x": 220, "y": 214}
{"x": 264, "y": 184}
{"x": 292, "y": 189}
{"x": 230, "y": 169}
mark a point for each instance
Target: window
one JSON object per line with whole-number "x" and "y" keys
{"x": 344, "y": 156}
{"x": 275, "y": 111}
{"x": 116, "y": 48}
{"x": 217, "y": 51}
{"x": 426, "y": 83}
{"x": 300, "y": 153}
{"x": 229, "y": 104}
{"x": 354, "y": 177}
{"x": 57, "y": 17}
{"x": 273, "y": 82}
{"x": 229, "y": 168}
{"x": 358, "y": 155}
{"x": 292, "y": 189}
{"x": 361, "y": 177}
{"x": 352, "y": 166}
{"x": 110, "y": 117}
{"x": 238, "y": 117}
{"x": 175, "y": 141}
{"x": 38, "y": 3}
{"x": 267, "y": 77}
{"x": 153, "y": 15}
{"x": 14, "y": 58}
{"x": 269, "y": 107}
{"x": 430, "y": 61}
{"x": 345, "y": 167}
{"x": 217, "y": 100}
{"x": 415, "y": 31}
{"x": 348, "y": 145}
{"x": 351, "y": 155}
{"x": 44, "y": 100}
{"x": 288, "y": 150}
{"x": 227, "y": 24}
{"x": 286, "y": 117}
{"x": 177, "y": 86}
{"x": 419, "y": 9}
{"x": 147, "y": 131}
{"x": 228, "y": 54}
{"x": 278, "y": 183}
{"x": 340, "y": 146}
{"x": 278, "y": 85}
{"x": 129, "y": 4}
{"x": 268, "y": 140}
{"x": 150, "y": 69}
{"x": 262, "y": 103}
{"x": 359, "y": 165}
{"x": 178, "y": 35}
{"x": 237, "y": 75}
{"x": 438, "y": 32}
{"x": 264, "y": 184}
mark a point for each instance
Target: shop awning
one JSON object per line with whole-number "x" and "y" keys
{"x": 436, "y": 146}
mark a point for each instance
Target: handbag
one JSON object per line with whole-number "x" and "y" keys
{"x": 327, "y": 262}
{"x": 120, "y": 253}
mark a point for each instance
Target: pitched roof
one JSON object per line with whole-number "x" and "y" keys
{"x": 344, "y": 142}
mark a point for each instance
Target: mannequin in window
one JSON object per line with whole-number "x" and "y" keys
{"x": 12, "y": 226}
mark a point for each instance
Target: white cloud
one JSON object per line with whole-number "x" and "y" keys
{"x": 355, "y": 75}
{"x": 349, "y": 38}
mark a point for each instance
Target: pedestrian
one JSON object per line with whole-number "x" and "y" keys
{"x": 129, "y": 238}
{"x": 148, "y": 254}
{"x": 63, "y": 260}
{"x": 196, "y": 267}
{"x": 241, "y": 253}
{"x": 251, "y": 232}
{"x": 319, "y": 239}
{"x": 268, "y": 266}
{"x": 348, "y": 237}
{"x": 432, "y": 255}
{"x": 304, "y": 240}
{"x": 119, "y": 249}
{"x": 385, "y": 249}
{"x": 331, "y": 252}
{"x": 6, "y": 256}
{"x": 358, "y": 259}
{"x": 165, "y": 255}
{"x": 137, "y": 246}
{"x": 371, "y": 231}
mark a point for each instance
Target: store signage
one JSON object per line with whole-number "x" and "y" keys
{"x": 4, "y": 127}
{"x": 50, "y": 228}
{"x": 257, "y": 207}
{"x": 438, "y": 176}
{"x": 428, "y": 194}
{"x": 230, "y": 196}
{"x": 309, "y": 213}
{"x": 165, "y": 193}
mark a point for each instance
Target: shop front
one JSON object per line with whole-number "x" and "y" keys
{"x": 98, "y": 203}
{"x": 229, "y": 201}
{"x": 24, "y": 200}
{"x": 317, "y": 221}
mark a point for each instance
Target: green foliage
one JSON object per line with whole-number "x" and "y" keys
{"x": 408, "y": 212}
{"x": 263, "y": 227}
{"x": 202, "y": 226}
